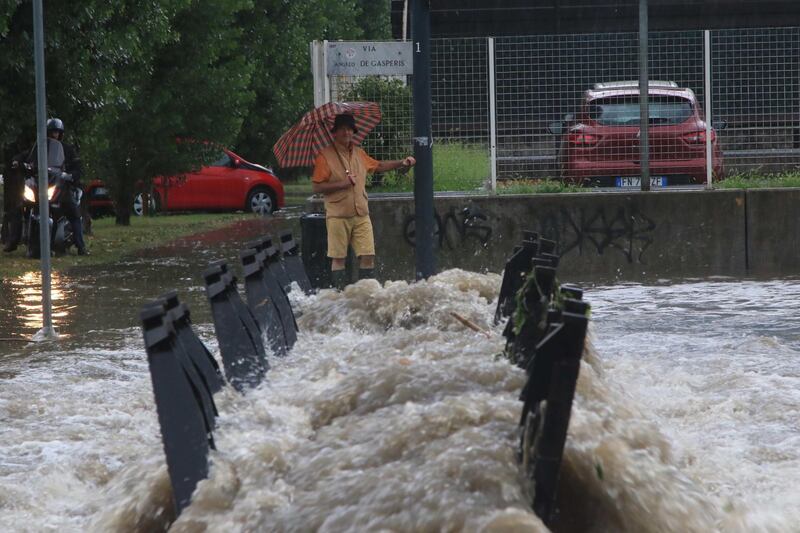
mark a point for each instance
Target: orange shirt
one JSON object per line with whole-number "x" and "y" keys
{"x": 322, "y": 172}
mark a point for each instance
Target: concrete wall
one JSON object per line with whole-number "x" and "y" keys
{"x": 773, "y": 232}
{"x": 603, "y": 236}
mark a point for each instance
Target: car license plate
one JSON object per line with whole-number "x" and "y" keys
{"x": 100, "y": 191}
{"x": 636, "y": 181}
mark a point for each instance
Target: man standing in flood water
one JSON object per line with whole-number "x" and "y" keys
{"x": 340, "y": 175}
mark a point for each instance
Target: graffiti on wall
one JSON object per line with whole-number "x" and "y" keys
{"x": 457, "y": 228}
{"x": 623, "y": 230}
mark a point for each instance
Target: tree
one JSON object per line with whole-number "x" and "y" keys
{"x": 86, "y": 44}
{"x": 276, "y": 40}
{"x": 191, "y": 98}
{"x": 375, "y": 19}
{"x": 130, "y": 77}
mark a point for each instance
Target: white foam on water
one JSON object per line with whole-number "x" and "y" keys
{"x": 716, "y": 366}
{"x": 390, "y": 414}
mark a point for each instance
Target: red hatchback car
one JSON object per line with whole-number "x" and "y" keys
{"x": 230, "y": 183}
{"x": 600, "y": 147}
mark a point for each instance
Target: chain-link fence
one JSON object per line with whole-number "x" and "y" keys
{"x": 569, "y": 80}
{"x": 567, "y": 107}
{"x": 460, "y": 113}
{"x": 756, "y": 88}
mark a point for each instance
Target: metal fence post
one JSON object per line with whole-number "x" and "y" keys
{"x": 707, "y": 68}
{"x": 317, "y": 72}
{"x": 644, "y": 89}
{"x": 326, "y": 80}
{"x": 492, "y": 118}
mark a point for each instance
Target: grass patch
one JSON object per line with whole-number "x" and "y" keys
{"x": 538, "y": 186}
{"x": 460, "y": 168}
{"x": 456, "y": 167}
{"x": 111, "y": 242}
{"x": 298, "y": 186}
{"x": 297, "y": 190}
{"x": 759, "y": 181}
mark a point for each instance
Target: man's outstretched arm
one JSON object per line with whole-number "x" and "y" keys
{"x": 383, "y": 166}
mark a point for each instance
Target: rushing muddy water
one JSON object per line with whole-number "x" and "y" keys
{"x": 390, "y": 415}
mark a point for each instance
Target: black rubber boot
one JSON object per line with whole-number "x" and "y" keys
{"x": 339, "y": 279}
{"x": 366, "y": 273}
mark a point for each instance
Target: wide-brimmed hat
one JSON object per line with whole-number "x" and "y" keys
{"x": 345, "y": 119}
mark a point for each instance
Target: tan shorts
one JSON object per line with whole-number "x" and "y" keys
{"x": 353, "y": 231}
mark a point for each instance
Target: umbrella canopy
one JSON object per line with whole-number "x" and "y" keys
{"x": 300, "y": 145}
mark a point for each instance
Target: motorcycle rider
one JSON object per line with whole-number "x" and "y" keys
{"x": 70, "y": 199}
{"x": 73, "y": 168}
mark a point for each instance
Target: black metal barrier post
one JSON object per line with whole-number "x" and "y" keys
{"x": 240, "y": 340}
{"x": 545, "y": 335}
{"x": 292, "y": 262}
{"x": 190, "y": 343}
{"x": 530, "y": 324}
{"x": 516, "y": 270}
{"x": 261, "y": 300}
{"x": 185, "y": 429}
{"x": 518, "y": 267}
{"x": 275, "y": 287}
{"x": 186, "y": 375}
{"x": 275, "y": 265}
{"x": 555, "y": 414}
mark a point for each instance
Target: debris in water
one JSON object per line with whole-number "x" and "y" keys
{"x": 471, "y": 325}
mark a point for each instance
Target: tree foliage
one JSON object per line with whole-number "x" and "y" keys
{"x": 131, "y": 77}
{"x": 192, "y": 97}
{"x": 277, "y": 43}
{"x": 375, "y": 19}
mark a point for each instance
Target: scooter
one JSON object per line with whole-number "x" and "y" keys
{"x": 61, "y": 234}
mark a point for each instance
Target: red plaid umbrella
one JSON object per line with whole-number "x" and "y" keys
{"x": 300, "y": 145}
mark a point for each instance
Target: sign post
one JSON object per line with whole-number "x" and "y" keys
{"x": 369, "y": 58}
{"x": 644, "y": 92}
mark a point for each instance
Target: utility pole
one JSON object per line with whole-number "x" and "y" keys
{"x": 423, "y": 141}
{"x": 47, "y": 331}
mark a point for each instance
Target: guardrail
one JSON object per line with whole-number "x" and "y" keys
{"x": 185, "y": 374}
{"x": 545, "y": 335}
{"x": 545, "y": 332}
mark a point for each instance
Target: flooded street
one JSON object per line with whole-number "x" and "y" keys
{"x": 390, "y": 415}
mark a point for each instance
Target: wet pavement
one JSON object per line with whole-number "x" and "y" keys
{"x": 87, "y": 299}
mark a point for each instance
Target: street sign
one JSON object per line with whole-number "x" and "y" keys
{"x": 368, "y": 58}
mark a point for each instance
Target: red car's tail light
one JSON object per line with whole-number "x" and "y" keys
{"x": 699, "y": 137}
{"x": 583, "y": 139}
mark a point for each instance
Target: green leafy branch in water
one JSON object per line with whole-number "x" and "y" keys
{"x": 535, "y": 302}
{"x": 521, "y": 313}
{"x": 525, "y": 310}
